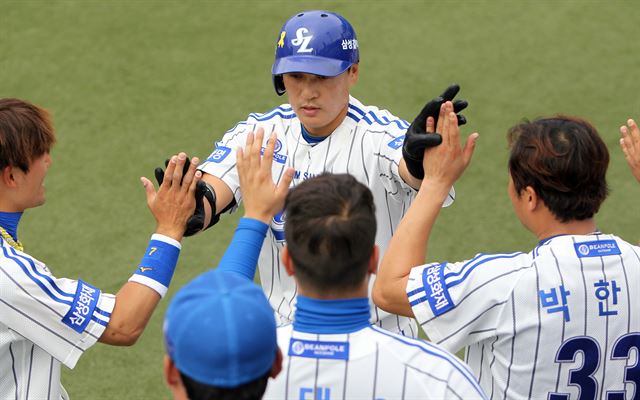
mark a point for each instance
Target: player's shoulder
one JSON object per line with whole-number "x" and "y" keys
{"x": 375, "y": 119}
{"x": 482, "y": 264}
{"x": 280, "y": 115}
{"x": 425, "y": 356}
{"x": 283, "y": 112}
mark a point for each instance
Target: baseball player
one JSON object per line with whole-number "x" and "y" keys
{"x": 630, "y": 144}
{"x": 47, "y": 321}
{"x": 559, "y": 322}
{"x": 226, "y": 307}
{"x": 322, "y": 129}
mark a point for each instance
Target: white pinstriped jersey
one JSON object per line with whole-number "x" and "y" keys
{"x": 367, "y": 145}
{"x": 562, "y": 322}
{"x": 371, "y": 363}
{"x": 44, "y": 322}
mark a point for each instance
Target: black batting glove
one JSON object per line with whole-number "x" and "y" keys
{"x": 195, "y": 223}
{"x": 417, "y": 139}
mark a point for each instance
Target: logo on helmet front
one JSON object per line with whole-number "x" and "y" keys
{"x": 281, "y": 41}
{"x": 302, "y": 41}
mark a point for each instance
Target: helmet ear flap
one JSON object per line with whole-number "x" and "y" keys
{"x": 278, "y": 84}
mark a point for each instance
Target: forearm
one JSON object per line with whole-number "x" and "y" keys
{"x": 224, "y": 197}
{"x": 138, "y": 298}
{"x": 241, "y": 256}
{"x": 408, "y": 248}
{"x": 407, "y": 177}
{"x": 134, "y": 305}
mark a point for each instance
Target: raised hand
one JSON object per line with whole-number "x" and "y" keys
{"x": 174, "y": 202}
{"x": 261, "y": 196}
{"x": 630, "y": 144}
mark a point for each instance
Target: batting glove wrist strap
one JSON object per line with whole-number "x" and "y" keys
{"x": 158, "y": 264}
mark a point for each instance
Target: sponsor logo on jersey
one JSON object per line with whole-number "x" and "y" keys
{"x": 597, "y": 248}
{"x": 219, "y": 154}
{"x": 302, "y": 40}
{"x": 397, "y": 142}
{"x": 84, "y": 302}
{"x": 436, "y": 290}
{"x": 277, "y": 226}
{"x": 319, "y": 349}
{"x": 279, "y": 158}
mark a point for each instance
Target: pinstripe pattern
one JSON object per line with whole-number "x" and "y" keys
{"x": 512, "y": 338}
{"x": 380, "y": 365}
{"x": 33, "y": 340}
{"x": 363, "y": 145}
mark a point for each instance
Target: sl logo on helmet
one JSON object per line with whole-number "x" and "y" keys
{"x": 302, "y": 41}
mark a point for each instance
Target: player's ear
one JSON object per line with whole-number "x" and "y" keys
{"x": 277, "y": 364}
{"x": 373, "y": 261}
{"x": 287, "y": 261}
{"x": 171, "y": 374}
{"x": 531, "y": 197}
{"x": 173, "y": 380}
{"x": 8, "y": 178}
{"x": 353, "y": 74}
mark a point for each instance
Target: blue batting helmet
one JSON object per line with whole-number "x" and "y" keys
{"x": 314, "y": 42}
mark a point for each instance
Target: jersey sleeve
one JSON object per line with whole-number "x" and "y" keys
{"x": 389, "y": 154}
{"x": 62, "y": 316}
{"x": 460, "y": 303}
{"x": 221, "y": 162}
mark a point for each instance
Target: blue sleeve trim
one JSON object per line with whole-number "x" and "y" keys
{"x": 159, "y": 262}
{"x": 241, "y": 257}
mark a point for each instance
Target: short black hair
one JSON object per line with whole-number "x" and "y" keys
{"x": 253, "y": 390}
{"x": 565, "y": 161}
{"x": 330, "y": 231}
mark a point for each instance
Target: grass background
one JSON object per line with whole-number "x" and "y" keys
{"x": 130, "y": 82}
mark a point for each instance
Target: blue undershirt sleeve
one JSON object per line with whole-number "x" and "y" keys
{"x": 241, "y": 257}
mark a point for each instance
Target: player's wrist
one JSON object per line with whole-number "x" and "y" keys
{"x": 170, "y": 231}
{"x": 435, "y": 188}
{"x": 264, "y": 217}
{"x": 158, "y": 264}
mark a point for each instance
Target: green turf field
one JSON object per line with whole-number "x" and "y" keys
{"x": 130, "y": 82}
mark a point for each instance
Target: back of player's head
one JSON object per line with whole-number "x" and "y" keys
{"x": 26, "y": 133}
{"x": 314, "y": 42}
{"x": 220, "y": 333}
{"x": 330, "y": 231}
{"x": 565, "y": 161}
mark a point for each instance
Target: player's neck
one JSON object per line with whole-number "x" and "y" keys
{"x": 331, "y": 316}
{"x": 584, "y": 227}
{"x": 9, "y": 222}
{"x": 327, "y": 130}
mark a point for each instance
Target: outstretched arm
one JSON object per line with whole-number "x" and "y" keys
{"x": 630, "y": 144}
{"x": 262, "y": 200}
{"x": 443, "y": 165}
{"x": 171, "y": 206}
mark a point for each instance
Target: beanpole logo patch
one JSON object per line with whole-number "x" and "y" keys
{"x": 597, "y": 248}
{"x": 319, "y": 349}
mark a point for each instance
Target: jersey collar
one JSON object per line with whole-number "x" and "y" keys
{"x": 331, "y": 316}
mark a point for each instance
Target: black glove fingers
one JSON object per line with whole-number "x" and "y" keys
{"x": 450, "y": 92}
{"x": 459, "y": 105}
{"x": 159, "y": 173}
{"x": 461, "y": 119}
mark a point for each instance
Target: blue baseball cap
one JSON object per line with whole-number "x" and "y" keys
{"x": 220, "y": 330}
